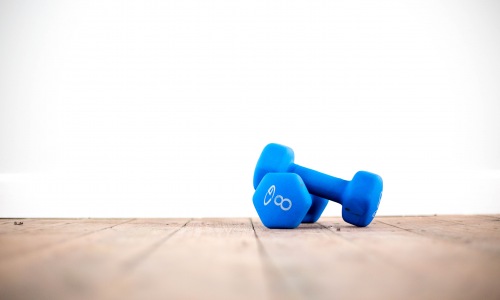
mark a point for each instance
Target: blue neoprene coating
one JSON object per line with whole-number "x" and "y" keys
{"x": 360, "y": 198}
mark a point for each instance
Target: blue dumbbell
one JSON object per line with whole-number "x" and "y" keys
{"x": 360, "y": 197}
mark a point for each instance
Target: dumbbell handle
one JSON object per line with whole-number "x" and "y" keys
{"x": 320, "y": 184}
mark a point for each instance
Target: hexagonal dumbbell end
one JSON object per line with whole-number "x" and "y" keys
{"x": 361, "y": 198}
{"x": 282, "y": 200}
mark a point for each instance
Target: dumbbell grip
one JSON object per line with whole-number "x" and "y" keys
{"x": 321, "y": 184}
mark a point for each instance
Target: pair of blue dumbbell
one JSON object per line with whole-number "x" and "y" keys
{"x": 287, "y": 194}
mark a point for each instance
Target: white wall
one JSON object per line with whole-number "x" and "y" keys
{"x": 161, "y": 108}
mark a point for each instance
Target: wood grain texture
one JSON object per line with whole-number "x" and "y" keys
{"x": 428, "y": 257}
{"x": 36, "y": 234}
{"x": 208, "y": 258}
{"x": 434, "y": 265}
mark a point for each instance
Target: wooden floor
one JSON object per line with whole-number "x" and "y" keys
{"x": 432, "y": 257}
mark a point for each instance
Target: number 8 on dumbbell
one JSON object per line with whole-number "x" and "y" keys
{"x": 279, "y": 188}
{"x": 269, "y": 196}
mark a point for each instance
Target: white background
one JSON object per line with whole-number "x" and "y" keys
{"x": 161, "y": 108}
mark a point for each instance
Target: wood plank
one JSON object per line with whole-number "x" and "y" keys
{"x": 394, "y": 257}
{"x": 319, "y": 264}
{"x": 441, "y": 269}
{"x": 29, "y": 225}
{"x": 42, "y": 233}
{"x": 208, "y": 258}
{"x": 79, "y": 268}
{"x": 10, "y": 221}
{"x": 485, "y": 221}
{"x": 481, "y": 232}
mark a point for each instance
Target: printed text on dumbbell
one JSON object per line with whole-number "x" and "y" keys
{"x": 278, "y": 200}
